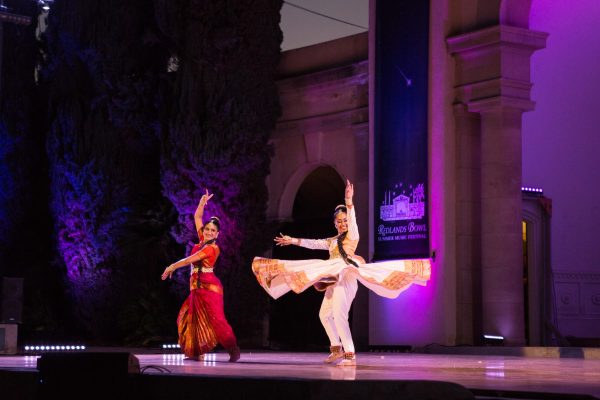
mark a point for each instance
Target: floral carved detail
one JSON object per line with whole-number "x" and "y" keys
{"x": 565, "y": 299}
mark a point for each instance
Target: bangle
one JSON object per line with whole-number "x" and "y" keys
{"x": 298, "y": 242}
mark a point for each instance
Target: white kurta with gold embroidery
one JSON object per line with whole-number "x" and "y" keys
{"x": 338, "y": 279}
{"x": 387, "y": 278}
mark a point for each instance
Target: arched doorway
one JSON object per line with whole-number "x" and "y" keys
{"x": 540, "y": 324}
{"x": 294, "y": 318}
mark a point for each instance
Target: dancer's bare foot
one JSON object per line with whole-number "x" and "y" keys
{"x": 234, "y": 354}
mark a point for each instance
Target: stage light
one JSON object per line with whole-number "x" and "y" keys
{"x": 493, "y": 340}
{"x": 52, "y": 348}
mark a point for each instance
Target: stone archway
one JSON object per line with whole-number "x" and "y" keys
{"x": 294, "y": 322}
{"x": 536, "y": 260}
{"x": 324, "y": 124}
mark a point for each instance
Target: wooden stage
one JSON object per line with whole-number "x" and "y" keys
{"x": 295, "y": 375}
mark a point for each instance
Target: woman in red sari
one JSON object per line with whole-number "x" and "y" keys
{"x": 201, "y": 322}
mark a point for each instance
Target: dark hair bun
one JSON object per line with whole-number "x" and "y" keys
{"x": 216, "y": 221}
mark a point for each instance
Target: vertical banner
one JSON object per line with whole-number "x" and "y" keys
{"x": 400, "y": 130}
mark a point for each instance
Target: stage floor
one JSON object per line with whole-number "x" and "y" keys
{"x": 484, "y": 375}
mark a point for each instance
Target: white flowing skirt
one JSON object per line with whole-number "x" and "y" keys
{"x": 386, "y": 278}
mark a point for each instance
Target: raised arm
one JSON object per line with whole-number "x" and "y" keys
{"x": 348, "y": 198}
{"x": 200, "y": 210}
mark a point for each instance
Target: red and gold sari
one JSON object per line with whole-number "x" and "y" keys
{"x": 201, "y": 322}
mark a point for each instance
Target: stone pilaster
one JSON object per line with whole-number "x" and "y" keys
{"x": 468, "y": 224}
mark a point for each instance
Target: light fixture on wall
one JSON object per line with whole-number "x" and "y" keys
{"x": 527, "y": 189}
{"x": 45, "y": 4}
{"x": 493, "y": 340}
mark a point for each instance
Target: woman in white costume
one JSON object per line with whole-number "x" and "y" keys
{"x": 338, "y": 277}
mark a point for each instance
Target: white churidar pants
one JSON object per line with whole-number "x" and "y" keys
{"x": 335, "y": 308}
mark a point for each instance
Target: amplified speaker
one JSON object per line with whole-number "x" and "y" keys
{"x": 86, "y": 375}
{"x": 11, "y": 304}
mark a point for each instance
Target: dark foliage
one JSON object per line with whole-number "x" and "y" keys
{"x": 140, "y": 106}
{"x": 225, "y": 105}
{"x": 25, "y": 240}
{"x": 105, "y": 66}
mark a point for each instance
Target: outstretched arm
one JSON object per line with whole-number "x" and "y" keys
{"x": 200, "y": 210}
{"x": 168, "y": 272}
{"x": 285, "y": 240}
{"x": 315, "y": 244}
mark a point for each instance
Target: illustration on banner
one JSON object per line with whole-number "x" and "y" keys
{"x": 399, "y": 205}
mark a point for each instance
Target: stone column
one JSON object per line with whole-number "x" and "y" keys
{"x": 502, "y": 285}
{"x": 492, "y": 79}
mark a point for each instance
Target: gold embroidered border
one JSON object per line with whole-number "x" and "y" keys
{"x": 266, "y": 269}
{"x": 397, "y": 280}
{"x": 297, "y": 281}
{"x": 419, "y": 268}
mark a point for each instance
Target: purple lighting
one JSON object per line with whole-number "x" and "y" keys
{"x": 85, "y": 229}
{"x": 7, "y": 182}
{"x": 76, "y": 206}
